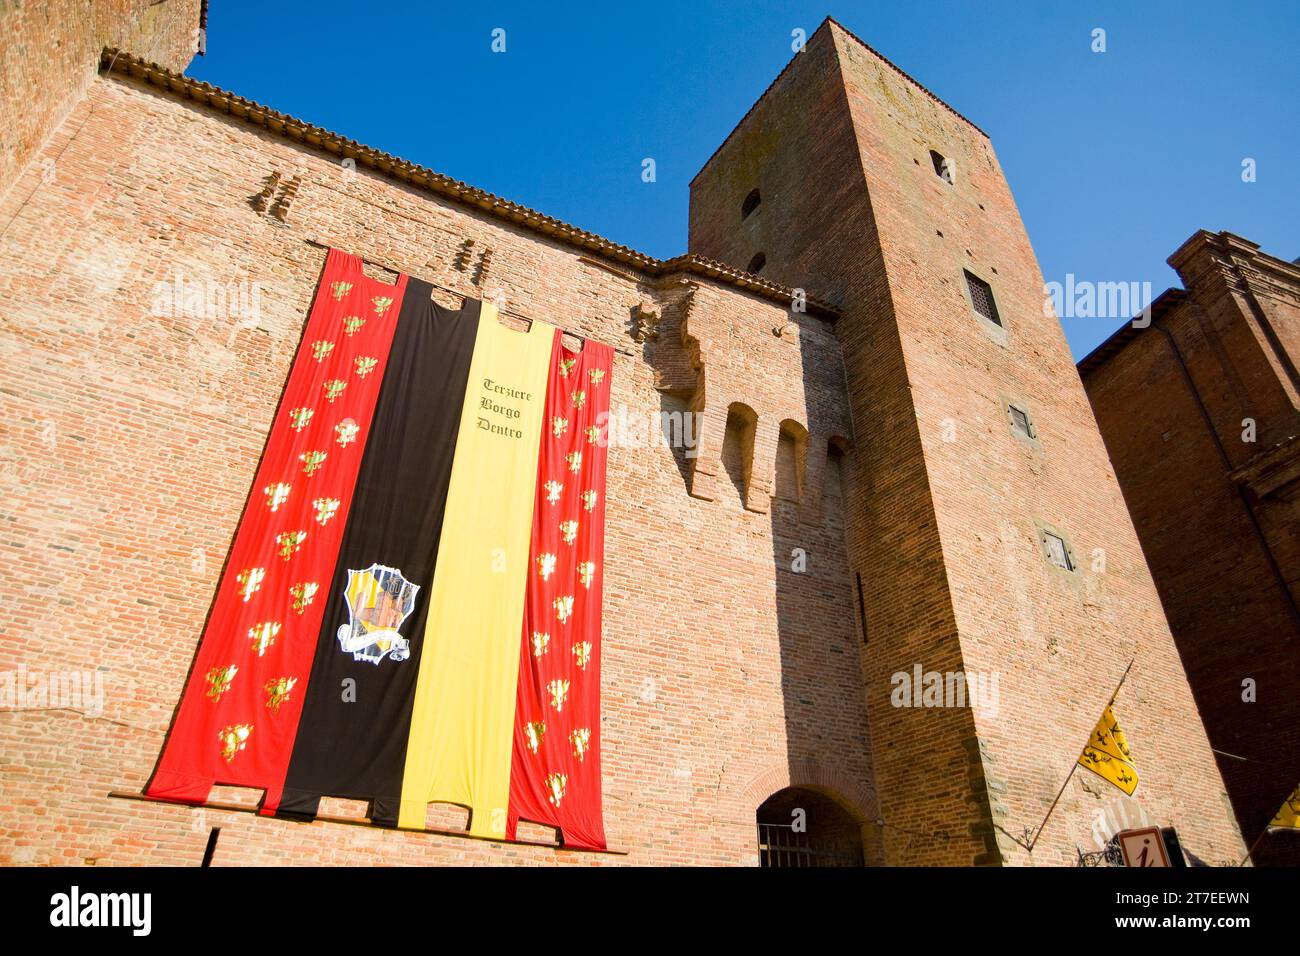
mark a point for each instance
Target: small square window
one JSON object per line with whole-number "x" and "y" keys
{"x": 1057, "y": 553}
{"x": 1020, "y": 422}
{"x": 981, "y": 298}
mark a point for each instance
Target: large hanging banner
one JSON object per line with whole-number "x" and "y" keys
{"x": 357, "y": 716}
{"x": 240, "y": 711}
{"x": 555, "y": 772}
{"x": 418, "y": 553}
{"x": 461, "y": 728}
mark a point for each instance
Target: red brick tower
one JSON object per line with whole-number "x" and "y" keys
{"x": 986, "y": 531}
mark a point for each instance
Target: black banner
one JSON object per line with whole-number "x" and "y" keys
{"x": 357, "y": 714}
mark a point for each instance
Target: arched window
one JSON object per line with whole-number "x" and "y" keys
{"x": 835, "y": 473}
{"x": 801, "y": 827}
{"x": 791, "y": 458}
{"x": 750, "y": 204}
{"x": 943, "y": 167}
{"x": 756, "y": 264}
{"x": 738, "y": 447}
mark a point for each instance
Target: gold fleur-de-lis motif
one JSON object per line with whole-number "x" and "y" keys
{"x": 589, "y": 499}
{"x": 586, "y": 572}
{"x": 563, "y": 607}
{"x": 250, "y": 581}
{"x": 289, "y": 542}
{"x": 365, "y": 365}
{"x": 559, "y": 691}
{"x": 566, "y": 366}
{"x": 321, "y": 348}
{"x": 569, "y": 530}
{"x": 558, "y": 425}
{"x": 326, "y": 508}
{"x": 553, "y": 490}
{"x": 340, "y": 289}
{"x": 581, "y": 740}
{"x": 541, "y": 640}
{"x": 347, "y": 432}
{"x": 593, "y": 434}
{"x": 574, "y": 458}
{"x": 579, "y": 399}
{"x": 597, "y": 375}
{"x": 582, "y": 654}
{"x": 219, "y": 679}
{"x": 233, "y": 738}
{"x": 299, "y": 417}
{"x": 546, "y": 565}
{"x": 381, "y": 304}
{"x": 303, "y": 594}
{"x": 277, "y": 691}
{"x": 534, "y": 731}
{"x": 263, "y": 635}
{"x": 352, "y": 324}
{"x": 276, "y": 495}
{"x": 555, "y": 785}
{"x": 333, "y": 389}
{"x": 312, "y": 461}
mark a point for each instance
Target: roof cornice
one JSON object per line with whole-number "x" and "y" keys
{"x": 1162, "y": 305}
{"x": 119, "y": 64}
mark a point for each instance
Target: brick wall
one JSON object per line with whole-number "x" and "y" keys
{"x": 945, "y": 501}
{"x": 128, "y": 440}
{"x": 49, "y": 53}
{"x": 129, "y": 434}
{"x": 1216, "y": 512}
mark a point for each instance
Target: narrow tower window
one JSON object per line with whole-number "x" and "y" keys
{"x": 943, "y": 167}
{"x": 1020, "y": 422}
{"x": 750, "y": 204}
{"x": 756, "y": 264}
{"x": 1057, "y": 553}
{"x": 981, "y": 297}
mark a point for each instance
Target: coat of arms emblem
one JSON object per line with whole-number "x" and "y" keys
{"x": 379, "y": 600}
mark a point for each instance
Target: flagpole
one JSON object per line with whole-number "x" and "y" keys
{"x": 1070, "y": 775}
{"x": 1259, "y": 839}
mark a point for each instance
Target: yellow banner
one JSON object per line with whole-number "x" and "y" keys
{"x": 1289, "y": 813}
{"x": 1108, "y": 756}
{"x": 463, "y": 719}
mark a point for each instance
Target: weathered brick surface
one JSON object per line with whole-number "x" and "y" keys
{"x": 945, "y": 501}
{"x": 49, "y": 52}
{"x": 1216, "y": 512}
{"x": 130, "y": 435}
{"x": 129, "y": 440}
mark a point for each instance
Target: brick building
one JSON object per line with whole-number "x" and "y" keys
{"x": 1200, "y": 412}
{"x": 897, "y": 468}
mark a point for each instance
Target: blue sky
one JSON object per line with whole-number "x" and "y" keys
{"x": 1114, "y": 158}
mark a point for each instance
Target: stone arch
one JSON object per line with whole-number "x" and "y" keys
{"x": 853, "y": 795}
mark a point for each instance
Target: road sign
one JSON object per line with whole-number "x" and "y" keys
{"x": 1144, "y": 847}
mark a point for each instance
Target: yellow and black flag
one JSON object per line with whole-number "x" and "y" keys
{"x": 1108, "y": 756}
{"x": 1289, "y": 814}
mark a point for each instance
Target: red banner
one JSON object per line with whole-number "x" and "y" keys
{"x": 555, "y": 769}
{"x": 239, "y": 714}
